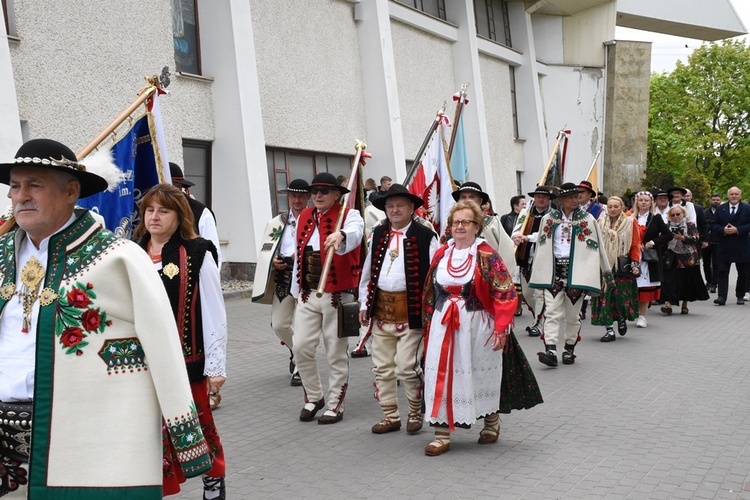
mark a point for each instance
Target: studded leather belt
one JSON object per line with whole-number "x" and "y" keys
{"x": 391, "y": 307}
{"x": 15, "y": 430}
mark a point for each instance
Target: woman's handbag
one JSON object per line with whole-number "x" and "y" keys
{"x": 624, "y": 266}
{"x": 649, "y": 255}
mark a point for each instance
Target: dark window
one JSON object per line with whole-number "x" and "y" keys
{"x": 513, "y": 100}
{"x": 285, "y": 165}
{"x": 491, "y": 17}
{"x": 197, "y": 168}
{"x": 9, "y": 17}
{"x": 185, "y": 36}
{"x": 434, "y": 8}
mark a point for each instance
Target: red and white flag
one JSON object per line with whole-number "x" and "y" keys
{"x": 433, "y": 181}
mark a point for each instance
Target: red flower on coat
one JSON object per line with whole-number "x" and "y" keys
{"x": 91, "y": 320}
{"x": 78, "y": 298}
{"x": 71, "y": 336}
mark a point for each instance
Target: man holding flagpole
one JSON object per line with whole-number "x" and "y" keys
{"x": 317, "y": 316}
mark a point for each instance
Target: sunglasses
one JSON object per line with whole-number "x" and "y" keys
{"x": 463, "y": 223}
{"x": 322, "y": 190}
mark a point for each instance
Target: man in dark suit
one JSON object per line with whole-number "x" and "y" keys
{"x": 708, "y": 254}
{"x": 732, "y": 226}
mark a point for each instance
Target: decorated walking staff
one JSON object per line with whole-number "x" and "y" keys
{"x": 353, "y": 177}
{"x": 528, "y": 222}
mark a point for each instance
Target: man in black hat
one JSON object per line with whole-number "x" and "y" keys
{"x": 317, "y": 232}
{"x": 273, "y": 277}
{"x": 661, "y": 204}
{"x": 390, "y": 291}
{"x": 204, "y": 218}
{"x": 81, "y": 312}
{"x": 587, "y": 198}
{"x": 677, "y": 197}
{"x": 525, "y": 238}
{"x": 570, "y": 261}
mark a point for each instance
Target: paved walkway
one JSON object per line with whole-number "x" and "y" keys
{"x": 663, "y": 412}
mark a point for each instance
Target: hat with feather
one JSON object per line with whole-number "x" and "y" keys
{"x": 96, "y": 173}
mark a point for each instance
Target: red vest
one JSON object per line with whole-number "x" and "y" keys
{"x": 345, "y": 269}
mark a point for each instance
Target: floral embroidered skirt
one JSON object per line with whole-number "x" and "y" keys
{"x": 615, "y": 304}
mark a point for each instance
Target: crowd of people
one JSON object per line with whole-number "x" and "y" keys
{"x": 437, "y": 309}
{"x": 434, "y": 311}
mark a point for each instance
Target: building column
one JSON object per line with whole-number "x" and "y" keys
{"x": 384, "y": 133}
{"x": 239, "y": 153}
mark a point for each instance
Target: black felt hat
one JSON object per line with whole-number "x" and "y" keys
{"x": 325, "y": 179}
{"x": 547, "y": 190}
{"x": 567, "y": 189}
{"x": 177, "y": 176}
{"x": 393, "y": 191}
{"x": 471, "y": 187}
{"x": 297, "y": 186}
{"x": 49, "y": 154}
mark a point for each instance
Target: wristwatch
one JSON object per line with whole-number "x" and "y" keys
{"x": 344, "y": 235}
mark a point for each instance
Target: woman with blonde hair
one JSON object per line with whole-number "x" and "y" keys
{"x": 622, "y": 242}
{"x": 469, "y": 303}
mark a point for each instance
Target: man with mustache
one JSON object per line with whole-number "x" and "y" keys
{"x": 86, "y": 335}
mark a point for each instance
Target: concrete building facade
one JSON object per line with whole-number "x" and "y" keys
{"x": 283, "y": 89}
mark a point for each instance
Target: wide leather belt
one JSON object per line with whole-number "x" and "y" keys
{"x": 15, "y": 430}
{"x": 313, "y": 269}
{"x": 391, "y": 307}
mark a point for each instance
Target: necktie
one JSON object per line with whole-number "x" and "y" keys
{"x": 733, "y": 209}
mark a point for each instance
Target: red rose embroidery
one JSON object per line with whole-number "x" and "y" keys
{"x": 71, "y": 336}
{"x": 78, "y": 298}
{"x": 91, "y": 320}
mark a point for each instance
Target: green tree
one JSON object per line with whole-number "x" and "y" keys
{"x": 698, "y": 120}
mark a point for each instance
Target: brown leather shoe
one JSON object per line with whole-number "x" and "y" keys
{"x": 386, "y": 425}
{"x": 327, "y": 419}
{"x": 309, "y": 415}
{"x": 489, "y": 435}
{"x": 414, "y": 423}
{"x": 432, "y": 450}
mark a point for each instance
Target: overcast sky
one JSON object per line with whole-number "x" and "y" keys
{"x": 666, "y": 49}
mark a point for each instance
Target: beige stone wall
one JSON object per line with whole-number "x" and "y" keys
{"x": 310, "y": 74}
{"x": 78, "y": 65}
{"x": 424, "y": 76}
{"x": 506, "y": 153}
{"x": 626, "y": 116}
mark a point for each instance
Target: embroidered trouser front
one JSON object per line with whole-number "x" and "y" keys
{"x": 172, "y": 472}
{"x": 560, "y": 310}
{"x": 314, "y": 318}
{"x": 282, "y": 316}
{"x": 396, "y": 352}
{"x": 534, "y": 297}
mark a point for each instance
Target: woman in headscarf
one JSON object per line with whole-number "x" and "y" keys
{"x": 682, "y": 274}
{"x": 622, "y": 242}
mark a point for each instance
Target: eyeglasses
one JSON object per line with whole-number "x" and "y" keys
{"x": 675, "y": 215}
{"x": 322, "y": 190}
{"x": 463, "y": 223}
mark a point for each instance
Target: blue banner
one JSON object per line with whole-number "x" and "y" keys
{"x": 134, "y": 156}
